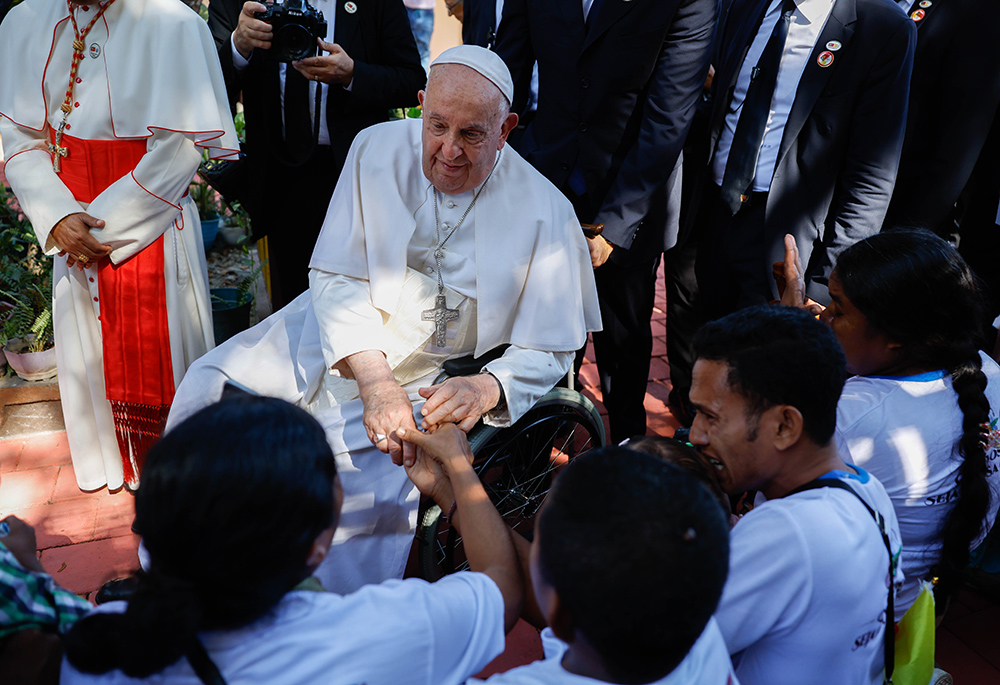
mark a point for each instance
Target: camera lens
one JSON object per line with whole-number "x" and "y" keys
{"x": 295, "y": 42}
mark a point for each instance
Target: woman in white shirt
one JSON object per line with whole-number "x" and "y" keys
{"x": 917, "y": 415}
{"x": 238, "y": 505}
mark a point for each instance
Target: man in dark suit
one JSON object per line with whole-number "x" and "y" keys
{"x": 954, "y": 96}
{"x": 618, "y": 82}
{"x": 807, "y": 125}
{"x": 295, "y": 158}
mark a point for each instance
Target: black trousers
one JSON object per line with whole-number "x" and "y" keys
{"x": 623, "y": 348}
{"x": 293, "y": 219}
{"x": 731, "y": 266}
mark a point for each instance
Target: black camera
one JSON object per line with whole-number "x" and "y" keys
{"x": 296, "y": 26}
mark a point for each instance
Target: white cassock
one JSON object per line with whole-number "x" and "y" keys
{"x": 150, "y": 74}
{"x": 517, "y": 269}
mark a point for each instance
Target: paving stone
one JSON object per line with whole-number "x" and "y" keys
{"x": 659, "y": 346}
{"x": 23, "y": 489}
{"x": 50, "y": 449}
{"x": 659, "y": 329}
{"x": 115, "y": 514}
{"x": 85, "y": 567}
{"x": 24, "y": 420}
{"x": 66, "y": 487}
{"x": 659, "y": 369}
{"x": 10, "y": 451}
{"x": 63, "y": 523}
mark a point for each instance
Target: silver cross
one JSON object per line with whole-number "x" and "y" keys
{"x": 440, "y": 315}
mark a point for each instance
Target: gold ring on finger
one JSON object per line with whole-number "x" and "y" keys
{"x": 82, "y": 258}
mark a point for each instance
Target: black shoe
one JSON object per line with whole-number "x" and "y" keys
{"x": 680, "y": 406}
{"x": 117, "y": 590}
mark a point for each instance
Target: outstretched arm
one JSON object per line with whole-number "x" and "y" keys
{"x": 442, "y": 469}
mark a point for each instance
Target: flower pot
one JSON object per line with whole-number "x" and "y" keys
{"x": 209, "y": 230}
{"x": 31, "y": 366}
{"x": 229, "y": 315}
{"x": 232, "y": 233}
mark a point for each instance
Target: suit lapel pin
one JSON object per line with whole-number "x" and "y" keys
{"x": 926, "y": 3}
{"x": 825, "y": 59}
{"x": 350, "y": 7}
{"x": 918, "y": 15}
{"x": 834, "y": 45}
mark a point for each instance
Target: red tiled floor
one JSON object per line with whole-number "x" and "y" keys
{"x": 965, "y": 665}
{"x": 66, "y": 487}
{"x": 45, "y": 450}
{"x": 10, "y": 451}
{"x": 22, "y": 489}
{"x": 85, "y": 567}
{"x": 64, "y": 523}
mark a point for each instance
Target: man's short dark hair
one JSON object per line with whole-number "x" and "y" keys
{"x": 638, "y": 552}
{"x": 780, "y": 355}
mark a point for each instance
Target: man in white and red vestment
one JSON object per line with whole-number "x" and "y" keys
{"x": 103, "y": 125}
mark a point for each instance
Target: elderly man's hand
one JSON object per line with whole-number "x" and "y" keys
{"x": 334, "y": 67}
{"x": 387, "y": 406}
{"x": 72, "y": 235}
{"x": 251, "y": 32}
{"x": 462, "y": 400}
{"x": 600, "y": 250}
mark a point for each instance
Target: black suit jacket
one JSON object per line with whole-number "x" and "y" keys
{"x": 840, "y": 148}
{"x": 954, "y": 94}
{"x": 387, "y": 74}
{"x": 615, "y": 101}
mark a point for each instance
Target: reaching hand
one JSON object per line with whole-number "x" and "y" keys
{"x": 335, "y": 67}
{"x": 438, "y": 457}
{"x": 251, "y": 32}
{"x": 789, "y": 276}
{"x": 600, "y": 250}
{"x": 72, "y": 235}
{"x": 462, "y": 400}
{"x": 20, "y": 540}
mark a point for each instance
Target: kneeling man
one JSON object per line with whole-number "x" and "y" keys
{"x": 808, "y": 590}
{"x": 440, "y": 242}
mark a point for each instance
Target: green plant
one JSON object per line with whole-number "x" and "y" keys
{"x": 25, "y": 279}
{"x": 205, "y": 198}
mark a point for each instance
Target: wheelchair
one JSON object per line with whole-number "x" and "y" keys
{"x": 515, "y": 464}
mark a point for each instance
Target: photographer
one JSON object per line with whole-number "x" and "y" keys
{"x": 367, "y": 63}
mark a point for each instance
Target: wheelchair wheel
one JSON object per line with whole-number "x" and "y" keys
{"x": 516, "y": 466}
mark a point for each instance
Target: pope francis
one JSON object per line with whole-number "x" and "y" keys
{"x": 439, "y": 242}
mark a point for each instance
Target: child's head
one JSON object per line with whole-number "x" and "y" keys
{"x": 630, "y": 555}
{"x": 238, "y": 504}
{"x": 684, "y": 457}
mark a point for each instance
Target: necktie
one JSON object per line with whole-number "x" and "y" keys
{"x": 298, "y": 123}
{"x": 742, "y": 163}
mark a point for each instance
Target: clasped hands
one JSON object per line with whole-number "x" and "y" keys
{"x": 387, "y": 407}
{"x": 334, "y": 67}
{"x": 72, "y": 235}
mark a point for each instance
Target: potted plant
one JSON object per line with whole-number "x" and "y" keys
{"x": 207, "y": 201}
{"x": 231, "y": 306}
{"x": 26, "y": 294}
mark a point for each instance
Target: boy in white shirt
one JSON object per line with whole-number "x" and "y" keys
{"x": 628, "y": 561}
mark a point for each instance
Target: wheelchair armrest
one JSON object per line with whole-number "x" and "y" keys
{"x": 469, "y": 365}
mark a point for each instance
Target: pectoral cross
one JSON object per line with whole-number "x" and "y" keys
{"x": 56, "y": 149}
{"x": 440, "y": 315}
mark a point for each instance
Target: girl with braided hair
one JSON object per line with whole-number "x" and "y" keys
{"x": 921, "y": 412}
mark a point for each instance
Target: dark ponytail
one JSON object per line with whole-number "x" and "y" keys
{"x": 230, "y": 504}
{"x": 916, "y": 289}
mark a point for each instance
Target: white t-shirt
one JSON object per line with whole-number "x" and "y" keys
{"x": 904, "y": 432}
{"x": 805, "y": 600}
{"x": 707, "y": 663}
{"x": 395, "y": 633}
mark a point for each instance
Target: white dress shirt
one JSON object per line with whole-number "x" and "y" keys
{"x": 907, "y": 5}
{"x": 329, "y": 10}
{"x": 807, "y": 22}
